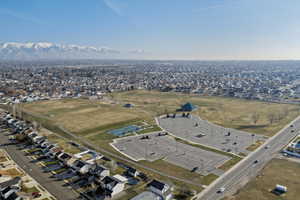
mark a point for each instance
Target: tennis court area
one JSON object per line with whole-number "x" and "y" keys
{"x": 125, "y": 130}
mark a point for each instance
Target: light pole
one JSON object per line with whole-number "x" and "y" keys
{"x": 146, "y": 151}
{"x": 202, "y": 165}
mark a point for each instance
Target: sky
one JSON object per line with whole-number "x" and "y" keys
{"x": 160, "y": 29}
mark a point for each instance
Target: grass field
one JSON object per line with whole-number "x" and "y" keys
{"x": 227, "y": 112}
{"x": 255, "y": 145}
{"x": 278, "y": 171}
{"x": 62, "y": 142}
{"x": 29, "y": 190}
{"x": 85, "y": 116}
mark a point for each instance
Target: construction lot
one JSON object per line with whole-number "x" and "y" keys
{"x": 199, "y": 131}
{"x": 153, "y": 147}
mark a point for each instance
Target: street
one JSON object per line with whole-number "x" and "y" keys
{"x": 54, "y": 187}
{"x": 250, "y": 166}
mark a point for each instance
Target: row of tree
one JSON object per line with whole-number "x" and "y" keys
{"x": 272, "y": 116}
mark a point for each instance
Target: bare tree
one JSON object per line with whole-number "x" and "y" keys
{"x": 255, "y": 117}
{"x": 271, "y": 118}
{"x": 285, "y": 112}
{"x": 282, "y": 114}
{"x": 166, "y": 111}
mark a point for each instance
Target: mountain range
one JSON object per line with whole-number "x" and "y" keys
{"x": 46, "y": 50}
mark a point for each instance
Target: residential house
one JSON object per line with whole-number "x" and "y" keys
{"x": 161, "y": 189}
{"x": 64, "y": 157}
{"x": 9, "y": 188}
{"x": 112, "y": 186}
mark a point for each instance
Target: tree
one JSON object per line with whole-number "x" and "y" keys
{"x": 286, "y": 111}
{"x": 166, "y": 111}
{"x": 271, "y": 118}
{"x": 255, "y": 117}
{"x": 183, "y": 193}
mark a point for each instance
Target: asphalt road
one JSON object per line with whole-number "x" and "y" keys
{"x": 53, "y": 186}
{"x": 241, "y": 173}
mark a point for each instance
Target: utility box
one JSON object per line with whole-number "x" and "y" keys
{"x": 281, "y": 188}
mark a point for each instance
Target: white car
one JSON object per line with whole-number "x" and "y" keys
{"x": 221, "y": 190}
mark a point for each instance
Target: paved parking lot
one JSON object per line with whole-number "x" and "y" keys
{"x": 203, "y": 132}
{"x": 165, "y": 147}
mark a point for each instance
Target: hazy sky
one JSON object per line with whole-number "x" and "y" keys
{"x": 163, "y": 29}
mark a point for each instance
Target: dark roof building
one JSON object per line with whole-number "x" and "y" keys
{"x": 156, "y": 184}
{"x": 161, "y": 189}
{"x": 14, "y": 181}
{"x": 188, "y": 107}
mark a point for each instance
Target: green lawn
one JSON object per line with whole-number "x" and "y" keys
{"x": 254, "y": 146}
{"x": 29, "y": 190}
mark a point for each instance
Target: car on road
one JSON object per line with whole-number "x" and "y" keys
{"x": 194, "y": 169}
{"x": 36, "y": 195}
{"x": 221, "y": 190}
{"x": 256, "y": 161}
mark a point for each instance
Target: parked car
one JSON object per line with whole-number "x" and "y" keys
{"x": 221, "y": 190}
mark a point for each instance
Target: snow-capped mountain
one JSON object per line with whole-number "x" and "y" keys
{"x": 45, "y": 50}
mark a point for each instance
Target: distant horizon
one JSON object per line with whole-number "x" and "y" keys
{"x": 31, "y": 51}
{"x": 149, "y": 59}
{"x": 158, "y": 30}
